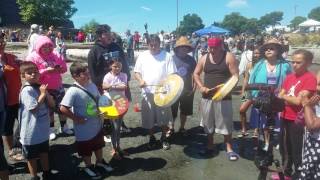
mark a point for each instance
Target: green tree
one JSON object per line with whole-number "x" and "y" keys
{"x": 252, "y": 26}
{"x": 46, "y": 12}
{"x": 296, "y": 21}
{"x": 235, "y": 23}
{"x": 90, "y": 26}
{"x": 270, "y": 19}
{"x": 189, "y": 24}
{"x": 315, "y": 14}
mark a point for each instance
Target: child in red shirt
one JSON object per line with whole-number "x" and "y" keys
{"x": 300, "y": 82}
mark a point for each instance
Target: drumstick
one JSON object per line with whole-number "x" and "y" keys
{"x": 216, "y": 87}
{"x": 154, "y": 85}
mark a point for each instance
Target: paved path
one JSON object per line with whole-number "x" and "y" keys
{"x": 180, "y": 162}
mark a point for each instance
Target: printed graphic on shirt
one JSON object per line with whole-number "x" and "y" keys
{"x": 293, "y": 89}
{"x": 182, "y": 71}
{"x": 91, "y": 109}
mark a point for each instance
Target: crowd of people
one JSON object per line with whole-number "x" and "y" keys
{"x": 31, "y": 91}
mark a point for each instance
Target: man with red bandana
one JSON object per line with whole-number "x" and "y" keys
{"x": 218, "y": 66}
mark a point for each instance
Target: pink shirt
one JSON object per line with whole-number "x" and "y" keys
{"x": 111, "y": 79}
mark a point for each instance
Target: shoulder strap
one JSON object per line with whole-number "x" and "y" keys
{"x": 88, "y": 93}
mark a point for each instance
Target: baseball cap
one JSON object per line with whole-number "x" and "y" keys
{"x": 214, "y": 42}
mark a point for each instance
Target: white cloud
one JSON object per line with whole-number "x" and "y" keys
{"x": 237, "y": 4}
{"x": 146, "y": 8}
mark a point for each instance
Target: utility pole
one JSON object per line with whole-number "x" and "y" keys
{"x": 295, "y": 10}
{"x": 177, "y": 13}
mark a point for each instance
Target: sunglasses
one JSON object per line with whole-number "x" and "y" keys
{"x": 296, "y": 62}
{"x": 270, "y": 48}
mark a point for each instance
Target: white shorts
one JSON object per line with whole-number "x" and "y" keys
{"x": 152, "y": 114}
{"x": 216, "y": 116}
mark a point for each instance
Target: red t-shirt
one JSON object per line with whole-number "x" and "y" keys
{"x": 293, "y": 84}
{"x": 12, "y": 79}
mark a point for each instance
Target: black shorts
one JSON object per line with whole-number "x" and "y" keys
{"x": 58, "y": 95}
{"x": 33, "y": 151}
{"x": 185, "y": 103}
{"x": 11, "y": 115}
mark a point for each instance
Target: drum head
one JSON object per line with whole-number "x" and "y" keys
{"x": 225, "y": 89}
{"x": 113, "y": 105}
{"x": 169, "y": 91}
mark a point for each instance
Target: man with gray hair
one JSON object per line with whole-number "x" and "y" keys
{"x": 32, "y": 38}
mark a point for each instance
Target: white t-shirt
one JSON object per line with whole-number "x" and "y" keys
{"x": 32, "y": 42}
{"x": 246, "y": 57}
{"x": 154, "y": 68}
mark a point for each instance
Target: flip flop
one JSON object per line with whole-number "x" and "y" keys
{"x": 232, "y": 156}
{"x": 243, "y": 134}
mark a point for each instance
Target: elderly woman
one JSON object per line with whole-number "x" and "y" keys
{"x": 12, "y": 81}
{"x": 271, "y": 69}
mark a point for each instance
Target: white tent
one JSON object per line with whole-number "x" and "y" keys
{"x": 309, "y": 23}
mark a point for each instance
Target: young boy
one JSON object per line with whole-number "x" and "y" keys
{"x": 34, "y": 120}
{"x": 82, "y": 97}
{"x": 300, "y": 82}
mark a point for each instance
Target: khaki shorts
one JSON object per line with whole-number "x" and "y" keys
{"x": 153, "y": 115}
{"x": 216, "y": 116}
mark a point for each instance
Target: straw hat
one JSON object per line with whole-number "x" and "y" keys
{"x": 272, "y": 42}
{"x": 183, "y": 42}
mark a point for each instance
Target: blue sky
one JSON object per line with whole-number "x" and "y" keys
{"x": 162, "y": 14}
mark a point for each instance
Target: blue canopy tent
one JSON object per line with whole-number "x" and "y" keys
{"x": 212, "y": 30}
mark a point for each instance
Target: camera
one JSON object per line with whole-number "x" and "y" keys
{"x": 268, "y": 103}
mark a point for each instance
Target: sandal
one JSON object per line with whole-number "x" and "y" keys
{"x": 232, "y": 156}
{"x": 15, "y": 156}
{"x": 243, "y": 134}
{"x": 116, "y": 155}
{"x": 123, "y": 153}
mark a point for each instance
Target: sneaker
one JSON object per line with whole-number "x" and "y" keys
{"x": 152, "y": 142}
{"x": 275, "y": 176}
{"x": 104, "y": 165}
{"x": 52, "y": 135}
{"x": 107, "y": 138}
{"x": 266, "y": 147}
{"x": 165, "y": 143}
{"x": 66, "y": 130}
{"x": 183, "y": 132}
{"x": 92, "y": 172}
